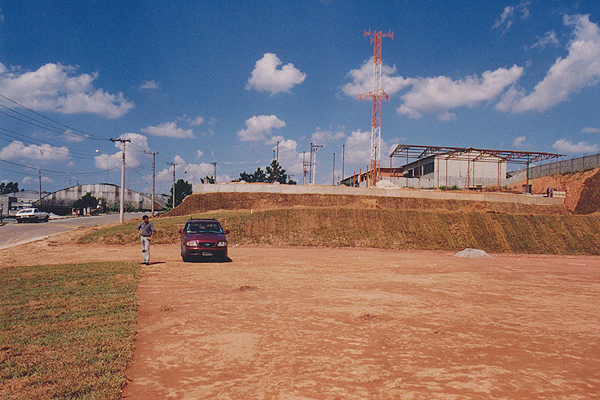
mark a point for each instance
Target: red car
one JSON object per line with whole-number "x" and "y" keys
{"x": 203, "y": 238}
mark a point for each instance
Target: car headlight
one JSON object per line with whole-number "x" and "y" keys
{"x": 192, "y": 243}
{"x": 221, "y": 244}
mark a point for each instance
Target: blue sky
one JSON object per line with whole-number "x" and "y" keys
{"x": 202, "y": 82}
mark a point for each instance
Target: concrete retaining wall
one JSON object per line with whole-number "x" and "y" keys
{"x": 419, "y": 194}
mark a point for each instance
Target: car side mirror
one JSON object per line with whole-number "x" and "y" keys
{"x": 226, "y": 231}
{"x": 181, "y": 230}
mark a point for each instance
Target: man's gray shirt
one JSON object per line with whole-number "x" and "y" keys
{"x": 146, "y": 229}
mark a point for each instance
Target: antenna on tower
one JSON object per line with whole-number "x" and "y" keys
{"x": 376, "y": 95}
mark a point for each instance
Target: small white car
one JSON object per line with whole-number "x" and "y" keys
{"x": 31, "y": 214}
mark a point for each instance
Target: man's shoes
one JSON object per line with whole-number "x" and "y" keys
{"x": 147, "y": 262}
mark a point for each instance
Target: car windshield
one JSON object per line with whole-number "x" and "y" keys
{"x": 203, "y": 227}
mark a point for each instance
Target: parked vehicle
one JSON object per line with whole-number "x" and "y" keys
{"x": 203, "y": 238}
{"x": 32, "y": 215}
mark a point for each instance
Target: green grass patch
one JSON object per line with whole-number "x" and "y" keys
{"x": 66, "y": 331}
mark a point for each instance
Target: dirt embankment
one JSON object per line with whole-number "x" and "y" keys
{"x": 271, "y": 201}
{"x": 583, "y": 189}
{"x": 393, "y": 223}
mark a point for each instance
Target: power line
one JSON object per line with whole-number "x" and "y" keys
{"x": 57, "y": 172}
{"x": 54, "y": 150}
{"x": 96, "y": 137}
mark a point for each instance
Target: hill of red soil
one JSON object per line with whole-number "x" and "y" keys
{"x": 589, "y": 200}
{"x": 583, "y": 189}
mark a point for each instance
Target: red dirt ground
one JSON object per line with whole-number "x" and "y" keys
{"x": 319, "y": 323}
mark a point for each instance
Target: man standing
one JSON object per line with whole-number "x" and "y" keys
{"x": 146, "y": 230}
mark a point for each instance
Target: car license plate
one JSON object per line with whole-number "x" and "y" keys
{"x": 207, "y": 254}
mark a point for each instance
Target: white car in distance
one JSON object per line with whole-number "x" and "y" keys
{"x": 32, "y": 214}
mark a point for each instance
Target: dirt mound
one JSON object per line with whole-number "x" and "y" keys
{"x": 589, "y": 200}
{"x": 573, "y": 184}
{"x": 198, "y": 203}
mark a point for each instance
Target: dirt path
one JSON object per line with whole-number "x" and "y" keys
{"x": 315, "y": 323}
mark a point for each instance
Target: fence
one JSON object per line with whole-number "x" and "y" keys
{"x": 572, "y": 165}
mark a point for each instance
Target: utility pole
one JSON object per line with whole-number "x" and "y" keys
{"x": 277, "y": 158}
{"x": 122, "y": 200}
{"x": 313, "y": 153}
{"x": 153, "y": 175}
{"x": 173, "y": 197}
{"x": 215, "y": 174}
{"x": 40, "y": 187}
{"x": 333, "y": 173}
{"x": 311, "y": 165}
{"x": 343, "y": 159}
{"x": 305, "y": 167}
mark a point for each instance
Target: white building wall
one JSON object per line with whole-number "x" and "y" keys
{"x": 458, "y": 172}
{"x": 110, "y": 194}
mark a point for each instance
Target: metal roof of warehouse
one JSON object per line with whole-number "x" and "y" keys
{"x": 418, "y": 152}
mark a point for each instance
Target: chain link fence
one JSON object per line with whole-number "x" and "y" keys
{"x": 572, "y": 165}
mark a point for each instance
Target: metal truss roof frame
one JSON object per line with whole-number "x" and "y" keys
{"x": 419, "y": 152}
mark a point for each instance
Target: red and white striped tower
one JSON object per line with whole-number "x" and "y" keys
{"x": 376, "y": 95}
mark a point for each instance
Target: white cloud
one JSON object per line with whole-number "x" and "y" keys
{"x": 569, "y": 75}
{"x": 108, "y": 161}
{"x": 321, "y": 136}
{"x": 438, "y": 95}
{"x": 259, "y": 127}
{"x": 358, "y": 148}
{"x": 149, "y": 85}
{"x": 29, "y": 179}
{"x": 589, "y": 129}
{"x": 506, "y": 18}
{"x": 55, "y": 88}
{"x": 519, "y": 142}
{"x": 290, "y": 159}
{"x": 199, "y": 153}
{"x": 434, "y": 95}
{"x": 196, "y": 121}
{"x": 69, "y": 136}
{"x": 362, "y": 80}
{"x": 548, "y": 39}
{"x": 566, "y": 146}
{"x": 134, "y": 151}
{"x": 169, "y": 129}
{"x": 183, "y": 170}
{"x": 33, "y": 152}
{"x": 267, "y": 78}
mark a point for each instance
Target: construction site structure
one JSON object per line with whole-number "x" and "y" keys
{"x": 376, "y": 95}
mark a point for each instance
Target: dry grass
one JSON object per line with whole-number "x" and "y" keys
{"x": 388, "y": 228}
{"x": 66, "y": 331}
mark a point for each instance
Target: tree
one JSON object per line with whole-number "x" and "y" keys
{"x": 9, "y": 187}
{"x": 182, "y": 189}
{"x": 87, "y": 200}
{"x": 257, "y": 176}
{"x": 273, "y": 173}
{"x": 277, "y": 174}
{"x": 207, "y": 179}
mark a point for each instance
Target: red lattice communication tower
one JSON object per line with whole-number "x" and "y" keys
{"x": 376, "y": 95}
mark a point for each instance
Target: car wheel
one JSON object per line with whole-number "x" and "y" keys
{"x": 185, "y": 258}
{"x": 46, "y": 219}
{"x": 19, "y": 221}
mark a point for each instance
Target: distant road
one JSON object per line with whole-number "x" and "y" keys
{"x": 14, "y": 234}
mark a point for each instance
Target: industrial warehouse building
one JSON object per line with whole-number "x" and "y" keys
{"x": 61, "y": 202}
{"x": 430, "y": 167}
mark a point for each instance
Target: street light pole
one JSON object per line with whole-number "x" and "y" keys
{"x": 122, "y": 200}
{"x": 154, "y": 153}
{"x": 173, "y": 164}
